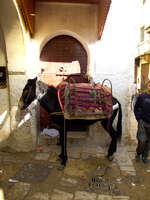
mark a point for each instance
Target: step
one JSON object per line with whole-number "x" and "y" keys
{"x": 77, "y": 134}
{"x": 71, "y": 136}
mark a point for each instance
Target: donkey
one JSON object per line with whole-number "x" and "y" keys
{"x": 49, "y": 101}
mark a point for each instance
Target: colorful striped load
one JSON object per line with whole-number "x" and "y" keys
{"x": 85, "y": 101}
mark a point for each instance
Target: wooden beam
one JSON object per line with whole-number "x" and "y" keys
{"x": 27, "y": 8}
{"x": 72, "y": 1}
{"x": 103, "y": 9}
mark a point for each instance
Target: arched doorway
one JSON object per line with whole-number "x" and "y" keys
{"x": 65, "y": 48}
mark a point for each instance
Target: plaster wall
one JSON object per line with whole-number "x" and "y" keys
{"x": 115, "y": 54}
{"x": 13, "y": 36}
{"x": 112, "y": 57}
{"x": 13, "y": 57}
{"x": 4, "y": 96}
{"x": 76, "y": 20}
{"x": 21, "y": 57}
{"x": 3, "y": 60}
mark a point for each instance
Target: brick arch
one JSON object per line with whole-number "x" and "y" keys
{"x": 65, "y": 48}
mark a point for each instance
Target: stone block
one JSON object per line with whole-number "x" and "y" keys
{"x": 120, "y": 198}
{"x": 128, "y": 168}
{"x": 18, "y": 191}
{"x": 104, "y": 197}
{"x": 68, "y": 182}
{"x": 17, "y": 83}
{"x": 61, "y": 195}
{"x": 39, "y": 196}
{"x": 42, "y": 156}
{"x": 81, "y": 195}
{"x": 4, "y": 99}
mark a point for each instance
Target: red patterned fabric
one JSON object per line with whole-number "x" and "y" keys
{"x": 85, "y": 100}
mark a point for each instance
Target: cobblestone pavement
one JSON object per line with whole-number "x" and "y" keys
{"x": 67, "y": 187}
{"x": 87, "y": 176}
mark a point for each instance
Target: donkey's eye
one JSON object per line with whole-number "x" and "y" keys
{"x": 25, "y": 93}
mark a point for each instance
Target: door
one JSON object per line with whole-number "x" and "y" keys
{"x": 144, "y": 75}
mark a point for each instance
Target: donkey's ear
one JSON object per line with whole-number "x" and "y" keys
{"x": 32, "y": 80}
{"x": 29, "y": 81}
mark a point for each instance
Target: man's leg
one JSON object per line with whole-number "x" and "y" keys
{"x": 146, "y": 146}
{"x": 139, "y": 150}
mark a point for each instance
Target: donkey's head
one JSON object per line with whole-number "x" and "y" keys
{"x": 28, "y": 94}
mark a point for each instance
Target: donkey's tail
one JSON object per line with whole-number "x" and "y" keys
{"x": 119, "y": 123}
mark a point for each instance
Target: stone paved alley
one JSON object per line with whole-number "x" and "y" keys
{"x": 87, "y": 176}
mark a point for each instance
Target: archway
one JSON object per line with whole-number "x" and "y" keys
{"x": 65, "y": 48}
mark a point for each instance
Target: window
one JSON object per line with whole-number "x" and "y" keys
{"x": 142, "y": 34}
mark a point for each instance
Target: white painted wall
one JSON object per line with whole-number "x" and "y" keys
{"x": 4, "y": 96}
{"x": 112, "y": 57}
{"x": 13, "y": 57}
{"x": 116, "y": 52}
{"x": 13, "y": 36}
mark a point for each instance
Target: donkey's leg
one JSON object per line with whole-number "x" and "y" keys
{"x": 63, "y": 155}
{"x": 61, "y": 132}
{"x": 113, "y": 144}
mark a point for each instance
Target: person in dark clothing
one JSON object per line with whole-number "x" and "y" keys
{"x": 142, "y": 115}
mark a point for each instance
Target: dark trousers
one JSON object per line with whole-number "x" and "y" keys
{"x": 143, "y": 147}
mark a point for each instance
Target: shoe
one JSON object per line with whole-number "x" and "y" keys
{"x": 145, "y": 160}
{"x": 138, "y": 158}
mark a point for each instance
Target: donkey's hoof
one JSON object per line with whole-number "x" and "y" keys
{"x": 61, "y": 167}
{"x": 110, "y": 158}
{"x": 59, "y": 159}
